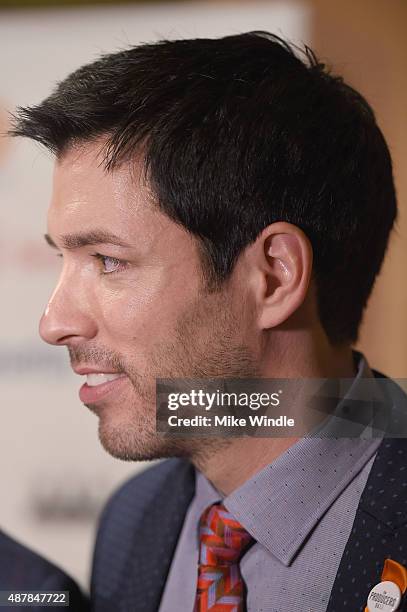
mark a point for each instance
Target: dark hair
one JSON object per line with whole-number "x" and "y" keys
{"x": 240, "y": 132}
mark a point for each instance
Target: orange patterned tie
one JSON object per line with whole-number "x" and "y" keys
{"x": 223, "y": 541}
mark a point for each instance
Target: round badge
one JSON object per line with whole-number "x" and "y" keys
{"x": 385, "y": 596}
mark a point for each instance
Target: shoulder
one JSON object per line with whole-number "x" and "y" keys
{"x": 23, "y": 564}
{"x": 22, "y": 568}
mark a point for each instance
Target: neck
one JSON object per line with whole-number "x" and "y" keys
{"x": 236, "y": 460}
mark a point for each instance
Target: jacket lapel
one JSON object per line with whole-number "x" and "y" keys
{"x": 155, "y": 540}
{"x": 380, "y": 527}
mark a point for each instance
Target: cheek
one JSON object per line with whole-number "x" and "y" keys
{"x": 139, "y": 313}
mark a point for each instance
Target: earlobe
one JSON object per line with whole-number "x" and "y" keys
{"x": 287, "y": 272}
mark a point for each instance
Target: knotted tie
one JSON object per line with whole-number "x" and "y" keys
{"x": 223, "y": 541}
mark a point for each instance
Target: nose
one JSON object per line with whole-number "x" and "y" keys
{"x": 67, "y": 319}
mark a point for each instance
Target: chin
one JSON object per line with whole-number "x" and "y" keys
{"x": 129, "y": 444}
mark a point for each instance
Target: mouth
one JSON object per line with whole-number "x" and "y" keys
{"x": 99, "y": 385}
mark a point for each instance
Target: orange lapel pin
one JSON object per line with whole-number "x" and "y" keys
{"x": 386, "y": 595}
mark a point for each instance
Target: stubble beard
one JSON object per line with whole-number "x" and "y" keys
{"x": 221, "y": 354}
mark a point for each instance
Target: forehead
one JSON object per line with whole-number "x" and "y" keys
{"x": 84, "y": 192}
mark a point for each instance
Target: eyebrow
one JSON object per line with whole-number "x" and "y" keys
{"x": 76, "y": 241}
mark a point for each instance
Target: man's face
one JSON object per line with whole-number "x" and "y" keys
{"x": 138, "y": 310}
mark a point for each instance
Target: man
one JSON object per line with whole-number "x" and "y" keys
{"x": 23, "y": 570}
{"x": 222, "y": 208}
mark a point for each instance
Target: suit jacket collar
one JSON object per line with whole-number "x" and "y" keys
{"x": 380, "y": 527}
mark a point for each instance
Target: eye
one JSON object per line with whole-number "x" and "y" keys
{"x": 110, "y": 264}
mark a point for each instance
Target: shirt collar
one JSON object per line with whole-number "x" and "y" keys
{"x": 280, "y": 505}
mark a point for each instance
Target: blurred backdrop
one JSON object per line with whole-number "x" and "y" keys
{"x": 55, "y": 476}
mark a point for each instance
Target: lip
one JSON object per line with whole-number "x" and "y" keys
{"x": 89, "y": 370}
{"x": 92, "y": 395}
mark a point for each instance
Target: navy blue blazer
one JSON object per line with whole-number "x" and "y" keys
{"x": 23, "y": 570}
{"x": 140, "y": 526}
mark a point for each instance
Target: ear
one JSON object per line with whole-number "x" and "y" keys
{"x": 282, "y": 259}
